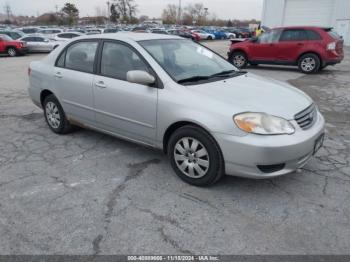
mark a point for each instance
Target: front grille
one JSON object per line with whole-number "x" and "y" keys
{"x": 307, "y": 117}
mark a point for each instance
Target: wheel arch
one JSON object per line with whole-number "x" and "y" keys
{"x": 310, "y": 52}
{"x": 43, "y": 94}
{"x": 11, "y": 46}
{"x": 238, "y": 50}
{"x": 175, "y": 126}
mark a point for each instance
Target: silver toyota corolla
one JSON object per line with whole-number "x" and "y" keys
{"x": 173, "y": 94}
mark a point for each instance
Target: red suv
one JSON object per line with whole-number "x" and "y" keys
{"x": 309, "y": 48}
{"x": 12, "y": 47}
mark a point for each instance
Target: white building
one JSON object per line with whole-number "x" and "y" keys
{"x": 329, "y": 13}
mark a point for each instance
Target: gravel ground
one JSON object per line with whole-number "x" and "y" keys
{"x": 89, "y": 193}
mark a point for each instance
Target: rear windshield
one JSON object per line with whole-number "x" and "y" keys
{"x": 333, "y": 33}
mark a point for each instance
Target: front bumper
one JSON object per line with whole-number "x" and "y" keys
{"x": 243, "y": 155}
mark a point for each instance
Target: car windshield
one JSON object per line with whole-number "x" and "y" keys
{"x": 188, "y": 62}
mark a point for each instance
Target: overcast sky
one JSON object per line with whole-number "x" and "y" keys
{"x": 240, "y": 9}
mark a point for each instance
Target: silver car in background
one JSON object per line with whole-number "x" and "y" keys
{"x": 39, "y": 44}
{"x": 178, "y": 96}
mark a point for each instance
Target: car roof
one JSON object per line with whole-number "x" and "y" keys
{"x": 301, "y": 27}
{"x": 130, "y": 36}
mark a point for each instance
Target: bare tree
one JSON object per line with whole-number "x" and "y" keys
{"x": 126, "y": 8}
{"x": 196, "y": 13}
{"x": 170, "y": 14}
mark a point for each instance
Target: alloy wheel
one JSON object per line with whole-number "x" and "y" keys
{"x": 52, "y": 115}
{"x": 11, "y": 52}
{"x": 191, "y": 157}
{"x": 308, "y": 64}
{"x": 239, "y": 60}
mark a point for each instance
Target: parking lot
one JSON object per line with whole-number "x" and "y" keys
{"x": 89, "y": 193}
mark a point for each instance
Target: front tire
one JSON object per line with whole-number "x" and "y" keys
{"x": 209, "y": 38}
{"x": 309, "y": 64}
{"x": 55, "y": 116}
{"x": 195, "y": 156}
{"x": 239, "y": 59}
{"x": 11, "y": 51}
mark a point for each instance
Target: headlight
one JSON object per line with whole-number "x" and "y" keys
{"x": 263, "y": 124}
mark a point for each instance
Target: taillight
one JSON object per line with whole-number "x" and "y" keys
{"x": 331, "y": 46}
{"x": 29, "y": 71}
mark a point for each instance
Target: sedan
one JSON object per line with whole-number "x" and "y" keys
{"x": 204, "y": 35}
{"x": 39, "y": 44}
{"x": 67, "y": 36}
{"x": 175, "y": 95}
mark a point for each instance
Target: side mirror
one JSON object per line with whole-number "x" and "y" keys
{"x": 254, "y": 39}
{"x": 140, "y": 77}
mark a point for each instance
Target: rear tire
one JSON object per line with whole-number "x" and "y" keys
{"x": 239, "y": 59}
{"x": 11, "y": 51}
{"x": 209, "y": 38}
{"x": 55, "y": 116}
{"x": 195, "y": 156}
{"x": 309, "y": 63}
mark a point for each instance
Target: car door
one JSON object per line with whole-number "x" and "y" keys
{"x": 31, "y": 43}
{"x": 2, "y": 45}
{"x": 291, "y": 44}
{"x": 44, "y": 44}
{"x": 73, "y": 80}
{"x": 264, "y": 48}
{"x": 121, "y": 107}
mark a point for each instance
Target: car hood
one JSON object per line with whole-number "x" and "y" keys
{"x": 251, "y": 93}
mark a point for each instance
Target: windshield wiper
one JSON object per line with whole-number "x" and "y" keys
{"x": 193, "y": 79}
{"x": 229, "y": 73}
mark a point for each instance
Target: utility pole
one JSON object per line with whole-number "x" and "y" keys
{"x": 108, "y": 11}
{"x": 179, "y": 13}
{"x": 7, "y": 9}
{"x": 56, "y": 7}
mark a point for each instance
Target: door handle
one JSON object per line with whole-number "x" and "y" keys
{"x": 58, "y": 75}
{"x": 300, "y": 44}
{"x": 100, "y": 84}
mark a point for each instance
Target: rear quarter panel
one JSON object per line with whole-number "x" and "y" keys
{"x": 41, "y": 78}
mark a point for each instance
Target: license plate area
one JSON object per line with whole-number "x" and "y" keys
{"x": 318, "y": 143}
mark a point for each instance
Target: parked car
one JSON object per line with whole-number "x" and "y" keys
{"x": 203, "y": 35}
{"x": 242, "y": 32}
{"x": 218, "y": 34}
{"x": 77, "y": 30}
{"x": 110, "y": 30}
{"x": 50, "y": 32}
{"x": 141, "y": 29}
{"x": 309, "y": 48}
{"x": 37, "y": 43}
{"x": 67, "y": 36}
{"x": 159, "y": 31}
{"x": 29, "y": 30}
{"x": 14, "y": 34}
{"x": 209, "y": 118}
{"x": 184, "y": 34}
{"x": 93, "y": 32}
{"x": 12, "y": 47}
{"x": 229, "y": 35}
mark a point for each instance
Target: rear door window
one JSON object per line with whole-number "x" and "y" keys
{"x": 293, "y": 35}
{"x": 80, "y": 56}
